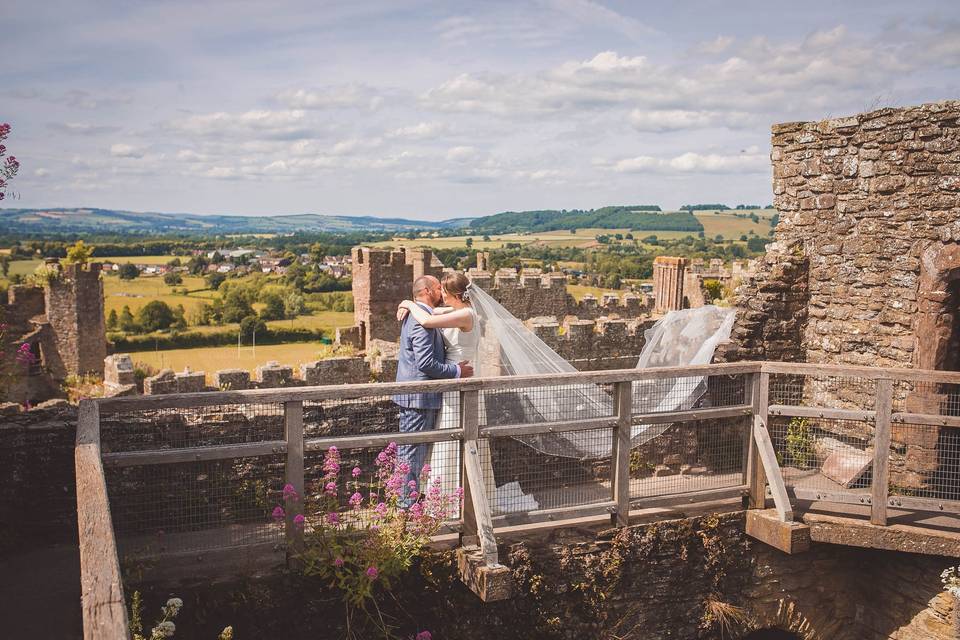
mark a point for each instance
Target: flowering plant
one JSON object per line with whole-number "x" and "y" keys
{"x": 8, "y": 167}
{"x": 366, "y": 529}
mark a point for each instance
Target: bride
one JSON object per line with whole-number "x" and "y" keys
{"x": 458, "y": 323}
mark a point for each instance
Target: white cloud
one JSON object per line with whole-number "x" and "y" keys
{"x": 678, "y": 119}
{"x": 715, "y": 46}
{"x": 82, "y": 128}
{"x": 338, "y": 97}
{"x": 461, "y": 154}
{"x": 692, "y": 162}
{"x": 122, "y": 150}
{"x": 421, "y": 131}
{"x": 259, "y": 124}
{"x": 41, "y": 172}
{"x": 224, "y": 173}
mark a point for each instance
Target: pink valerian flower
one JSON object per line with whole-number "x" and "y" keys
{"x": 356, "y": 500}
{"x": 412, "y": 484}
{"x": 25, "y": 355}
{"x": 333, "y": 518}
{"x": 372, "y": 573}
{"x": 330, "y": 489}
{"x": 425, "y": 470}
{"x": 331, "y": 463}
{"x": 338, "y": 562}
{"x": 381, "y": 509}
{"x": 413, "y": 495}
{"x": 279, "y": 513}
{"x": 424, "y": 635}
{"x": 290, "y": 493}
{"x": 299, "y": 520}
{"x": 356, "y": 472}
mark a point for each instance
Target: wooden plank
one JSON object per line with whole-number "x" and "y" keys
{"x": 772, "y": 469}
{"x": 351, "y": 391}
{"x": 620, "y": 458}
{"x": 687, "y": 498}
{"x": 789, "y": 537}
{"x": 827, "y": 495}
{"x": 690, "y": 415}
{"x": 926, "y": 419}
{"x": 881, "y": 452}
{"x": 924, "y": 504}
{"x": 470, "y": 427}
{"x": 490, "y": 583}
{"x": 194, "y": 454}
{"x": 755, "y": 474}
{"x": 547, "y": 427}
{"x": 556, "y": 514}
{"x": 478, "y": 500}
{"x": 820, "y": 412}
{"x": 381, "y": 439}
{"x": 293, "y": 434}
{"x": 871, "y": 373}
{"x": 752, "y": 388}
{"x": 101, "y": 586}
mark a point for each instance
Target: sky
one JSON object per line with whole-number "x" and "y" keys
{"x": 436, "y": 110}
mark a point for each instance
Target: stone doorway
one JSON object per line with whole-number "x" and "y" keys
{"x": 932, "y": 453}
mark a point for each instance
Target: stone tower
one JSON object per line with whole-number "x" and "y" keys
{"x": 381, "y": 280}
{"x": 74, "y": 309}
{"x": 668, "y": 283}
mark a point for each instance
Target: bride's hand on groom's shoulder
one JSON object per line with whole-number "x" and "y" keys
{"x": 403, "y": 311}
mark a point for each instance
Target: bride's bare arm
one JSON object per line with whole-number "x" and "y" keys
{"x": 458, "y": 319}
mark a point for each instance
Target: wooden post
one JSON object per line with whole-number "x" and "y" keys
{"x": 771, "y": 469}
{"x": 293, "y": 433}
{"x": 756, "y": 479}
{"x": 101, "y": 586}
{"x": 620, "y": 460}
{"x": 470, "y": 423}
{"x": 881, "y": 452}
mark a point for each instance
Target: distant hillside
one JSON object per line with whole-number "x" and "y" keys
{"x": 66, "y": 220}
{"x": 635, "y": 217}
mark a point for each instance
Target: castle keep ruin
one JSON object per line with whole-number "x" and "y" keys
{"x": 866, "y": 263}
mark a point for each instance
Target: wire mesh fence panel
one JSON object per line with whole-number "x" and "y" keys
{"x": 521, "y": 478}
{"x": 932, "y": 398}
{"x": 835, "y": 392}
{"x": 175, "y": 428}
{"x": 690, "y": 456}
{"x": 681, "y": 393}
{"x": 355, "y": 486}
{"x": 194, "y": 506}
{"x": 824, "y": 454}
{"x": 554, "y": 403}
{"x": 353, "y": 417}
{"x": 925, "y": 461}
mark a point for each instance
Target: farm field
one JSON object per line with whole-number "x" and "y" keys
{"x": 724, "y": 223}
{"x": 211, "y": 359}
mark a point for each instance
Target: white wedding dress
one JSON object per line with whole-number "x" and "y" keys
{"x": 445, "y": 456}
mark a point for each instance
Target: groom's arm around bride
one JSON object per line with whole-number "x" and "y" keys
{"x": 421, "y": 357}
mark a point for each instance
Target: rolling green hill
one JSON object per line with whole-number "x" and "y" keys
{"x": 634, "y": 217}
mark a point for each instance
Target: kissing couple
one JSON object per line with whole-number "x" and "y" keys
{"x": 439, "y": 339}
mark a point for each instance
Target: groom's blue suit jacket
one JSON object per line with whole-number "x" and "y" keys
{"x": 422, "y": 357}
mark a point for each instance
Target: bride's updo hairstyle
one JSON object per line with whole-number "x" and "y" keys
{"x": 455, "y": 284}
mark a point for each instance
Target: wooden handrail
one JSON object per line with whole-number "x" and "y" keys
{"x": 101, "y": 586}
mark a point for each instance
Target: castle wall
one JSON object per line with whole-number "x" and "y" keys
{"x": 668, "y": 276}
{"x": 381, "y": 281}
{"x": 867, "y": 205}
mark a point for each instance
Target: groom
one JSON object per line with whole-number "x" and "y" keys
{"x": 422, "y": 357}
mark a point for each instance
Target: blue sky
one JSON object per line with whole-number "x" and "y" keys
{"x": 441, "y": 109}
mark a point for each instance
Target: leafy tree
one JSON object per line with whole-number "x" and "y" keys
{"x": 174, "y": 263}
{"x": 486, "y": 238}
{"x": 198, "y": 265}
{"x": 179, "y": 318}
{"x": 251, "y": 324}
{"x": 719, "y": 238}
{"x": 113, "y": 321}
{"x": 127, "y": 323}
{"x": 155, "y": 316}
{"x": 215, "y": 279}
{"x": 216, "y": 258}
{"x": 743, "y": 237}
{"x": 5, "y": 265}
{"x": 294, "y": 305}
{"x": 274, "y": 308}
{"x": 172, "y": 279}
{"x": 129, "y": 271}
{"x": 79, "y": 253}
{"x": 469, "y": 242}
{"x": 237, "y": 305}
{"x": 756, "y": 245}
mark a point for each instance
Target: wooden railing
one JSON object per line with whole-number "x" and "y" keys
{"x": 103, "y": 607}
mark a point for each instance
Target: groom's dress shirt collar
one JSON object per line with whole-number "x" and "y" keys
{"x": 425, "y": 306}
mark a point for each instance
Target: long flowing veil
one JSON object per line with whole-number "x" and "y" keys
{"x": 508, "y": 347}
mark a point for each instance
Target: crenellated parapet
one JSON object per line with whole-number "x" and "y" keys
{"x": 606, "y": 342}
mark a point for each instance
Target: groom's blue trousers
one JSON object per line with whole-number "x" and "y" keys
{"x": 412, "y": 421}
